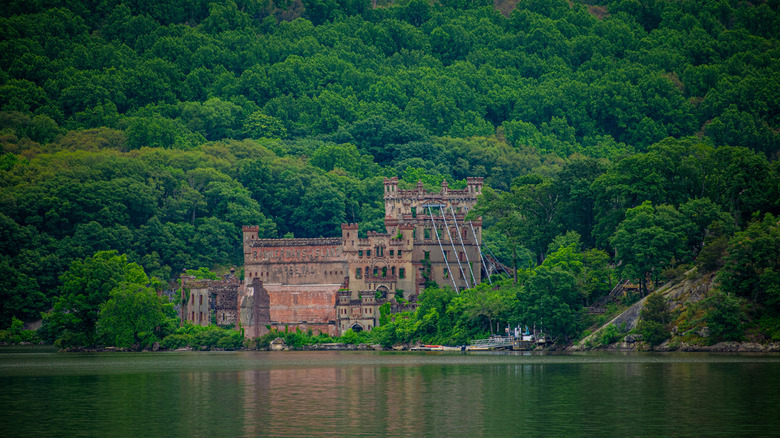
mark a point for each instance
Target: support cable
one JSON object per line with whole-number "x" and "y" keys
{"x": 442, "y": 251}
{"x": 454, "y": 251}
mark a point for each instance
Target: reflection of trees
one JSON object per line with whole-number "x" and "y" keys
{"x": 356, "y": 399}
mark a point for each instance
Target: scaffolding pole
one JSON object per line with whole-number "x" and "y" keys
{"x": 454, "y": 251}
{"x": 442, "y": 251}
{"x": 457, "y": 228}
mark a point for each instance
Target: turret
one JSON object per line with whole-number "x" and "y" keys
{"x": 474, "y": 186}
{"x": 250, "y": 232}
{"x": 349, "y": 234}
{"x": 391, "y": 187}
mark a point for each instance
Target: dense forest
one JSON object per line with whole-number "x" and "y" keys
{"x": 628, "y": 139}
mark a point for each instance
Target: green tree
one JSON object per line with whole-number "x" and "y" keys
{"x": 752, "y": 266}
{"x": 86, "y": 286}
{"x": 131, "y": 315}
{"x": 648, "y": 240}
{"x": 260, "y": 125}
{"x": 724, "y": 316}
{"x": 654, "y": 318}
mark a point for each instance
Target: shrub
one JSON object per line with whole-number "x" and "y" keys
{"x": 174, "y": 341}
{"x": 611, "y": 334}
{"x": 16, "y": 333}
{"x": 724, "y": 316}
{"x": 653, "y": 332}
{"x": 230, "y": 342}
{"x": 350, "y": 337}
{"x": 206, "y": 339}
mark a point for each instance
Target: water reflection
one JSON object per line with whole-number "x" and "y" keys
{"x": 294, "y": 394}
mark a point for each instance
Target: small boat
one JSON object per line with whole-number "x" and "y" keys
{"x": 433, "y": 347}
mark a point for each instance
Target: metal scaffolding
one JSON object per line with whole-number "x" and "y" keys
{"x": 430, "y": 212}
{"x": 457, "y": 228}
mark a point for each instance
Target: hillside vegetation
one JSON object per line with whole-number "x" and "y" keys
{"x": 627, "y": 139}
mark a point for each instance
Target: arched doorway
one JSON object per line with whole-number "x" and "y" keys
{"x": 357, "y": 328}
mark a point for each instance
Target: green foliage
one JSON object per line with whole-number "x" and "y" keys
{"x": 655, "y": 309}
{"x": 648, "y": 240}
{"x": 724, "y": 316}
{"x": 157, "y": 132}
{"x": 752, "y": 268}
{"x": 131, "y": 312}
{"x": 296, "y": 339}
{"x": 203, "y": 273}
{"x": 611, "y": 334}
{"x": 174, "y": 341}
{"x": 653, "y": 332}
{"x": 654, "y": 320}
{"x": 260, "y": 125}
{"x": 86, "y": 286}
{"x": 16, "y": 334}
{"x": 204, "y": 338}
{"x": 351, "y": 337}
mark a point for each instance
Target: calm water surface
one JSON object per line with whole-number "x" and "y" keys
{"x": 43, "y": 393}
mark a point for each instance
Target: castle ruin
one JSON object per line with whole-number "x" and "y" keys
{"x": 331, "y": 285}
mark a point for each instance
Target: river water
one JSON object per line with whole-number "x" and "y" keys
{"x": 43, "y": 393}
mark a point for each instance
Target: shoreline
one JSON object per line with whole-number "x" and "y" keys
{"x": 721, "y": 347}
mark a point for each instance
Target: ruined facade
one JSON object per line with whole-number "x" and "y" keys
{"x": 330, "y": 285}
{"x": 210, "y": 301}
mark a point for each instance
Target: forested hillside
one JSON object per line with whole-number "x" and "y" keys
{"x": 629, "y": 139}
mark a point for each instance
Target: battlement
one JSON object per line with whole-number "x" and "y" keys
{"x": 473, "y": 188}
{"x": 318, "y": 241}
{"x": 250, "y": 228}
{"x": 349, "y": 226}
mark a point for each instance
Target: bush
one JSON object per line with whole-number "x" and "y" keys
{"x": 653, "y": 332}
{"x": 206, "y": 339}
{"x": 724, "y": 316}
{"x": 174, "y": 341}
{"x": 611, "y": 334}
{"x": 231, "y": 342}
{"x": 17, "y": 334}
{"x": 351, "y": 337}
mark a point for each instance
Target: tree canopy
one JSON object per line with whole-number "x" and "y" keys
{"x": 156, "y": 130}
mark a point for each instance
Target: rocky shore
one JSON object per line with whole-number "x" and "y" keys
{"x": 672, "y": 346}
